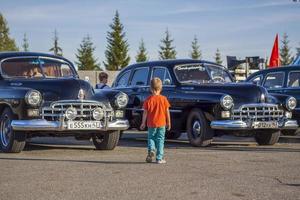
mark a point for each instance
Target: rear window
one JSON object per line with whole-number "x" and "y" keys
{"x": 35, "y": 68}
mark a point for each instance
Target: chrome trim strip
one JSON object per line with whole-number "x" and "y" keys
{"x": 44, "y": 125}
{"x": 240, "y": 125}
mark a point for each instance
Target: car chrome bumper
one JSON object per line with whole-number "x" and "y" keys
{"x": 241, "y": 125}
{"x": 44, "y": 125}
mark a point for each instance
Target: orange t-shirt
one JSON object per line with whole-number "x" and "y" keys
{"x": 157, "y": 106}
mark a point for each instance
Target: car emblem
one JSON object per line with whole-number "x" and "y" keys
{"x": 263, "y": 98}
{"x": 81, "y": 94}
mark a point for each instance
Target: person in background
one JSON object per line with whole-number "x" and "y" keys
{"x": 103, "y": 77}
{"x": 157, "y": 116}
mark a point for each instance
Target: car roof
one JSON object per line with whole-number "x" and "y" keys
{"x": 283, "y": 68}
{"x": 11, "y": 54}
{"x": 169, "y": 62}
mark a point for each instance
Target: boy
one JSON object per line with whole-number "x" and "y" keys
{"x": 103, "y": 78}
{"x": 157, "y": 115}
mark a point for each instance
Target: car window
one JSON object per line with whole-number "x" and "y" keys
{"x": 163, "y": 74}
{"x": 140, "y": 76}
{"x": 256, "y": 80}
{"x": 274, "y": 80}
{"x": 33, "y": 68}
{"x": 123, "y": 80}
{"x": 294, "y": 79}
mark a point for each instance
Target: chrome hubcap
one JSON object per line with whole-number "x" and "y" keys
{"x": 196, "y": 129}
{"x": 5, "y": 131}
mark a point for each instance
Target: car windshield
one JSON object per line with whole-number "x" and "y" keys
{"x": 36, "y": 68}
{"x": 199, "y": 73}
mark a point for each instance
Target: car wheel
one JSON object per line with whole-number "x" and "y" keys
{"x": 173, "y": 134}
{"x": 267, "y": 137}
{"x": 198, "y": 129}
{"x": 106, "y": 141}
{"x": 10, "y": 141}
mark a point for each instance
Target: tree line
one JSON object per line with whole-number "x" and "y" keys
{"x": 116, "y": 53}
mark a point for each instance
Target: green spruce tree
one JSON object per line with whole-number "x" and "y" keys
{"x": 25, "y": 44}
{"x": 298, "y": 50}
{"x": 56, "y": 49}
{"x": 85, "y": 55}
{"x": 285, "y": 55}
{"x": 116, "y": 53}
{"x": 167, "y": 51}
{"x": 142, "y": 53}
{"x": 6, "y": 42}
{"x": 218, "y": 57}
{"x": 195, "y": 53}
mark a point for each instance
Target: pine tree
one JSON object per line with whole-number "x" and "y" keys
{"x": 195, "y": 53}
{"x": 142, "y": 53}
{"x": 298, "y": 51}
{"x": 6, "y": 42}
{"x": 218, "y": 57}
{"x": 285, "y": 54}
{"x": 25, "y": 44}
{"x": 86, "y": 60}
{"x": 117, "y": 48}
{"x": 57, "y": 50}
{"x": 167, "y": 51}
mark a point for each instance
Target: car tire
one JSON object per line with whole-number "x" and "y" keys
{"x": 173, "y": 134}
{"x": 106, "y": 141}
{"x": 198, "y": 129}
{"x": 10, "y": 141}
{"x": 267, "y": 137}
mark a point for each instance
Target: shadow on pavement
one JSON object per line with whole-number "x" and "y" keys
{"x": 73, "y": 161}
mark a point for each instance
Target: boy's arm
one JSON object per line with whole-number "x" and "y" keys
{"x": 143, "y": 125}
{"x": 168, "y": 120}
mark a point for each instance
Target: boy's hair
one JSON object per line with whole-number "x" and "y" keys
{"x": 156, "y": 84}
{"x": 103, "y": 75}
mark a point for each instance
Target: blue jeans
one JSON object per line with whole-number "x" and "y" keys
{"x": 156, "y": 140}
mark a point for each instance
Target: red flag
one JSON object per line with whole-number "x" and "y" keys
{"x": 275, "y": 58}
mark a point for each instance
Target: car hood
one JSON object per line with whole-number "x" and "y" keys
{"x": 242, "y": 93}
{"x": 57, "y": 89}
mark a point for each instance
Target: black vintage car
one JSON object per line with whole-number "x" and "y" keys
{"x": 205, "y": 101}
{"x": 42, "y": 95}
{"x": 281, "y": 80}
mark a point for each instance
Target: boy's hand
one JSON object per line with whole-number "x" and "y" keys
{"x": 143, "y": 126}
{"x": 169, "y": 127}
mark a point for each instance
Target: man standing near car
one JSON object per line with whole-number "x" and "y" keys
{"x": 103, "y": 77}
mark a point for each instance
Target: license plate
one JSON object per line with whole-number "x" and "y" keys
{"x": 265, "y": 125}
{"x": 83, "y": 125}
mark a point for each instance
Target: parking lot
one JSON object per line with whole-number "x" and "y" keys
{"x": 63, "y": 168}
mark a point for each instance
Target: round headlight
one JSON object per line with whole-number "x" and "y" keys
{"x": 98, "y": 114}
{"x": 226, "y": 102}
{"x": 33, "y": 98}
{"x": 71, "y": 113}
{"x": 291, "y": 103}
{"x": 121, "y": 100}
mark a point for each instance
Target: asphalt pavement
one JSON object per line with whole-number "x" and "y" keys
{"x": 63, "y": 168}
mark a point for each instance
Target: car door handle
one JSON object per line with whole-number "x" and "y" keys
{"x": 16, "y": 84}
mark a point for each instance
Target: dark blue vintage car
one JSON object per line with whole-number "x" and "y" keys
{"x": 281, "y": 80}
{"x": 42, "y": 95}
{"x": 205, "y": 101}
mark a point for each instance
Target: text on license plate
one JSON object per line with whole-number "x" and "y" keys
{"x": 84, "y": 125}
{"x": 262, "y": 125}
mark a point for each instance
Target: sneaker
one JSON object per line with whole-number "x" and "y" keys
{"x": 150, "y": 156}
{"x": 162, "y": 161}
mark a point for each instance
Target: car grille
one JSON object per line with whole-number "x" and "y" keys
{"x": 257, "y": 112}
{"x": 84, "y": 110}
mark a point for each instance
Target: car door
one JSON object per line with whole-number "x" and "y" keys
{"x": 274, "y": 82}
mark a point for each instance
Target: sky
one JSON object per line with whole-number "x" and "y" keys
{"x": 237, "y": 27}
